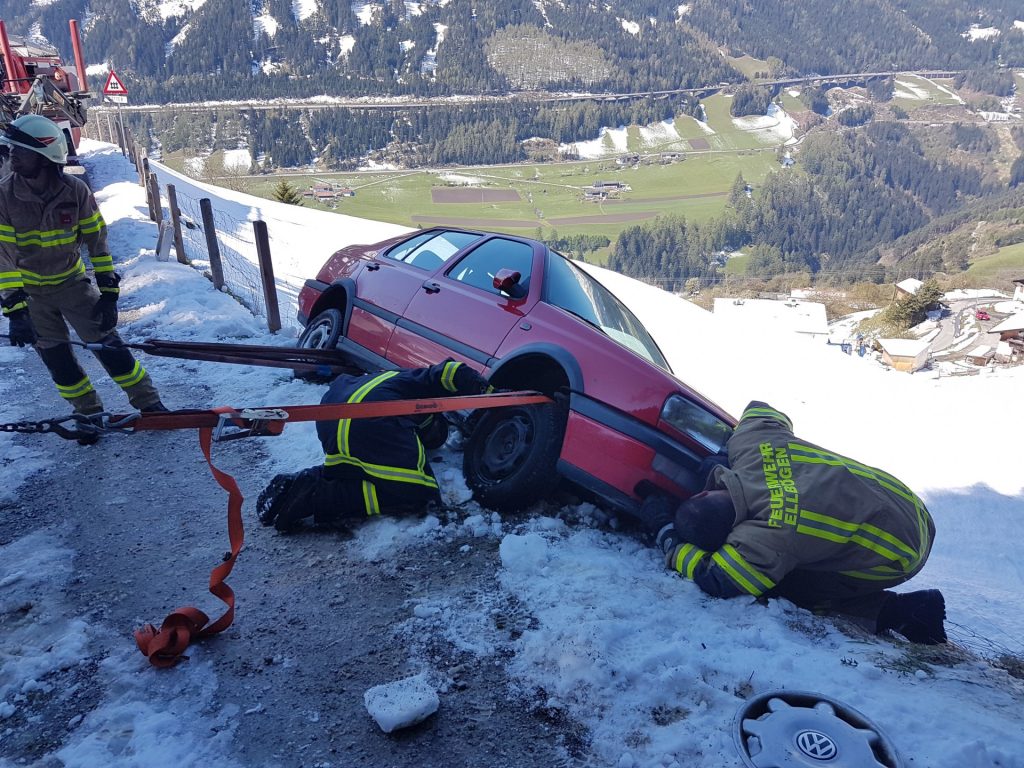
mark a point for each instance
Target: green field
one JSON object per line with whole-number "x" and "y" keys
{"x": 913, "y": 92}
{"x": 747, "y": 65}
{"x": 550, "y": 195}
{"x": 1006, "y": 265}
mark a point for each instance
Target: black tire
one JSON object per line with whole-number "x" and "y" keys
{"x": 322, "y": 332}
{"x": 510, "y": 458}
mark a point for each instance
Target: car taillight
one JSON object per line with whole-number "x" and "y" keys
{"x": 692, "y": 420}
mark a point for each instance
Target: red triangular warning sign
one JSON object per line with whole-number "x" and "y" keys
{"x": 114, "y": 86}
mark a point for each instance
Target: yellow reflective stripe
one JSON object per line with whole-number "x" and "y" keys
{"x": 344, "y": 425}
{"x": 741, "y": 572}
{"x": 448, "y": 376}
{"x": 46, "y": 239}
{"x": 15, "y": 308}
{"x": 370, "y": 498}
{"x": 91, "y": 224}
{"x": 688, "y": 557}
{"x": 132, "y": 378}
{"x": 33, "y": 278}
{"x": 811, "y": 455}
{"x": 883, "y": 542}
{"x": 102, "y": 263}
{"x": 872, "y": 575}
{"x": 83, "y": 387}
{"x": 10, "y": 281}
{"x": 769, "y": 413}
{"x": 383, "y": 471}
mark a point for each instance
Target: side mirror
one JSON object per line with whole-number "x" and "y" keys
{"x": 507, "y": 281}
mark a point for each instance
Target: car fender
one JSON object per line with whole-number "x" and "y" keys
{"x": 559, "y": 355}
{"x": 338, "y": 295}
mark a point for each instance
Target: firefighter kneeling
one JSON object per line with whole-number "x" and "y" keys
{"x": 372, "y": 466}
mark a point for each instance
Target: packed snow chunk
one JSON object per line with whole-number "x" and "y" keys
{"x": 523, "y": 553}
{"x": 401, "y": 703}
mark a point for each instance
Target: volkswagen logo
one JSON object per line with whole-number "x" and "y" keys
{"x": 816, "y": 745}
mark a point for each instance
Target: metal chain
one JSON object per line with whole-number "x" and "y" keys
{"x": 84, "y": 425}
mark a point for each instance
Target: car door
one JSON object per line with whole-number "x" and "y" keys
{"x": 459, "y": 312}
{"x": 386, "y": 283}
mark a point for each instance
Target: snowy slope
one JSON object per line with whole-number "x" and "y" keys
{"x": 651, "y": 670}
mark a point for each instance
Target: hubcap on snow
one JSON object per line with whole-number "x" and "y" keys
{"x": 792, "y": 728}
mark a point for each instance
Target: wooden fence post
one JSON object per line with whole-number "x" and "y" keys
{"x": 179, "y": 243}
{"x": 144, "y": 181}
{"x": 154, "y": 195}
{"x": 267, "y": 275}
{"x": 212, "y": 248}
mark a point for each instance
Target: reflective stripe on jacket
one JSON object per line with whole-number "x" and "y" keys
{"x": 388, "y": 449}
{"x": 799, "y": 506}
{"x": 40, "y": 239}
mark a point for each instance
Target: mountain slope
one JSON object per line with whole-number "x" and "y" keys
{"x": 199, "y": 49}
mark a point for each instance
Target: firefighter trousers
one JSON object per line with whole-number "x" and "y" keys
{"x": 72, "y": 303}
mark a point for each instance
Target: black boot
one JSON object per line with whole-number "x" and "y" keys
{"x": 157, "y": 407}
{"x": 918, "y": 616}
{"x": 271, "y": 499}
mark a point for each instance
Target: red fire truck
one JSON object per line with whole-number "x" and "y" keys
{"x": 35, "y": 80}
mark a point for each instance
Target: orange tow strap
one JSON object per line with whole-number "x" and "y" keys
{"x": 165, "y": 647}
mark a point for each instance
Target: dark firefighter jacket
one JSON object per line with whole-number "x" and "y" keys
{"x": 389, "y": 450}
{"x": 40, "y": 239}
{"x": 799, "y": 506}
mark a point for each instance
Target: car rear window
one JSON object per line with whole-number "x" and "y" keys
{"x": 431, "y": 249}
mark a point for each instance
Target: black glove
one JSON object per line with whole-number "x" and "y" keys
{"x": 469, "y": 382}
{"x": 22, "y": 331}
{"x": 656, "y": 513}
{"x": 106, "y": 307}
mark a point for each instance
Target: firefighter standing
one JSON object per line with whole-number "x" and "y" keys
{"x": 44, "y": 217}
{"x": 789, "y": 519}
{"x": 373, "y": 465}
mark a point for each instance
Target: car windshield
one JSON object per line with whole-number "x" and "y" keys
{"x": 570, "y": 288}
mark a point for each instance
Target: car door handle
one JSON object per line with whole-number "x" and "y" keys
{"x": 373, "y": 266}
{"x": 431, "y": 287}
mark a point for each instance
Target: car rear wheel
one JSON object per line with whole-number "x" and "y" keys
{"x": 509, "y": 460}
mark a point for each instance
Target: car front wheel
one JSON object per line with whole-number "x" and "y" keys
{"x": 323, "y": 331}
{"x": 510, "y": 458}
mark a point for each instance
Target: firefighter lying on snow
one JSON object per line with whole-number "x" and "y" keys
{"x": 786, "y": 518}
{"x": 375, "y": 465}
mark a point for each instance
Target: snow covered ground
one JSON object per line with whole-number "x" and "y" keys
{"x": 642, "y": 667}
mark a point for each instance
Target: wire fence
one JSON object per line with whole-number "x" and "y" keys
{"x": 237, "y": 247}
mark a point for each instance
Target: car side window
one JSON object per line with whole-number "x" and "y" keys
{"x": 431, "y": 249}
{"x": 479, "y": 267}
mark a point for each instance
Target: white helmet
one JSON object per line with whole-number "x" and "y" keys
{"x": 39, "y": 134}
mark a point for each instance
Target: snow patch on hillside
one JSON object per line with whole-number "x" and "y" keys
{"x": 659, "y": 133}
{"x": 630, "y": 26}
{"x": 303, "y": 9}
{"x": 345, "y": 44}
{"x": 907, "y": 90}
{"x": 977, "y": 32}
{"x": 364, "y": 12}
{"x": 175, "y": 8}
{"x": 265, "y": 24}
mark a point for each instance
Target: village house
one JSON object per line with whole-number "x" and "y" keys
{"x": 907, "y": 355}
{"x": 908, "y": 287}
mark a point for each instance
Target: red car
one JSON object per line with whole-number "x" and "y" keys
{"x": 981, "y": 314}
{"x": 622, "y": 426}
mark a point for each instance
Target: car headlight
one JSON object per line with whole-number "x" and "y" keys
{"x": 694, "y": 421}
